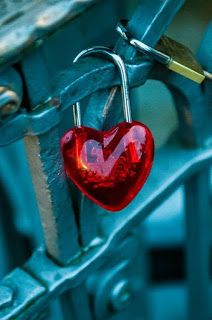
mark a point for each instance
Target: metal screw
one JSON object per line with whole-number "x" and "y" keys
{"x": 6, "y": 296}
{"x": 9, "y": 101}
{"x": 121, "y": 295}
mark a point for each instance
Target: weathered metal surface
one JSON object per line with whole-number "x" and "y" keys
{"x": 57, "y": 52}
{"x": 30, "y": 291}
{"x": 32, "y": 21}
{"x": 174, "y": 164}
{"x": 58, "y": 222}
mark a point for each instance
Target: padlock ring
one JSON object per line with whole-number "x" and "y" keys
{"x": 161, "y": 57}
{"x": 117, "y": 60}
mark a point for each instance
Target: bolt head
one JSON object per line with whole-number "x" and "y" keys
{"x": 9, "y": 102}
{"x": 121, "y": 295}
{"x": 8, "y": 109}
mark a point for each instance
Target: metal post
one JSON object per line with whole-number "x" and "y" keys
{"x": 197, "y": 191}
{"x": 53, "y": 196}
{"x": 75, "y": 304}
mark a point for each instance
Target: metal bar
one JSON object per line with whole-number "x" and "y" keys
{"x": 75, "y": 304}
{"x": 53, "y": 196}
{"x": 72, "y": 86}
{"x": 144, "y": 272}
{"x": 22, "y": 298}
{"x": 198, "y": 222}
{"x": 34, "y": 68}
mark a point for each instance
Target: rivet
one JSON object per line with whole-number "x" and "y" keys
{"x": 121, "y": 294}
{"x": 55, "y": 102}
{"x": 9, "y": 101}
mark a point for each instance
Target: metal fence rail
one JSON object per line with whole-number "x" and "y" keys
{"x": 89, "y": 251}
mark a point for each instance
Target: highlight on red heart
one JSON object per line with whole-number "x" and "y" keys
{"x": 109, "y": 167}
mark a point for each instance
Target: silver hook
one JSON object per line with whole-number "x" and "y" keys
{"x": 124, "y": 81}
{"x": 144, "y": 48}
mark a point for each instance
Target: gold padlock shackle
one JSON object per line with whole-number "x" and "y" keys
{"x": 117, "y": 60}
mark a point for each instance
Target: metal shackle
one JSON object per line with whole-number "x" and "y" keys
{"x": 117, "y": 60}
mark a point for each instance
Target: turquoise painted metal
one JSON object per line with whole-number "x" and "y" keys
{"x": 91, "y": 264}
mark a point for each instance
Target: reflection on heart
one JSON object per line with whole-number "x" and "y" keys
{"x": 109, "y": 167}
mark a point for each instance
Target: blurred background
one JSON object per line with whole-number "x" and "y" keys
{"x": 163, "y": 231}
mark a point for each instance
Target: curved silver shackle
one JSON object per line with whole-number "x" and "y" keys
{"x": 124, "y": 81}
{"x": 139, "y": 45}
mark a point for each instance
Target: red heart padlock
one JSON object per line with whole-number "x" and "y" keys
{"x": 109, "y": 167}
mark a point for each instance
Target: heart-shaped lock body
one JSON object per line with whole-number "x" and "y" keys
{"x": 109, "y": 167}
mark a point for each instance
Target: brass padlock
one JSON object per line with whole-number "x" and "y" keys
{"x": 169, "y": 52}
{"x": 182, "y": 59}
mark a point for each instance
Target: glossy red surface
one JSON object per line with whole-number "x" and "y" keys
{"x": 109, "y": 167}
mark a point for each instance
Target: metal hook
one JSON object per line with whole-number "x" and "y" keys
{"x": 124, "y": 81}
